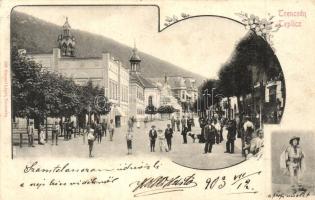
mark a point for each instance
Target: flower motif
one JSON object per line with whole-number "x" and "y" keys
{"x": 262, "y": 27}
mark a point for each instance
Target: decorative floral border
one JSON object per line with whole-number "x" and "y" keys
{"x": 262, "y": 27}
{"x": 171, "y": 20}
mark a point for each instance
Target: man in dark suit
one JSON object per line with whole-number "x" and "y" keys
{"x": 202, "y": 123}
{"x": 231, "y": 136}
{"x": 209, "y": 136}
{"x": 168, "y": 136}
{"x": 189, "y": 123}
{"x": 152, "y": 136}
{"x": 184, "y": 134}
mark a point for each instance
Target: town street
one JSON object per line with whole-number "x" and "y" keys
{"x": 190, "y": 155}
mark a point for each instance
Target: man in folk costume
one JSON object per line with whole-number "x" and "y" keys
{"x": 292, "y": 162}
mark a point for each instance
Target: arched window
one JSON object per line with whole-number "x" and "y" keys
{"x": 150, "y": 102}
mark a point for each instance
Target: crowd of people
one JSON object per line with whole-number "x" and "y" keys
{"x": 213, "y": 130}
{"x": 216, "y": 129}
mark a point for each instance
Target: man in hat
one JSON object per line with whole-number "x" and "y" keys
{"x": 209, "y": 136}
{"x": 292, "y": 161}
{"x": 231, "y": 136}
{"x": 202, "y": 123}
{"x": 183, "y": 121}
{"x": 168, "y": 135}
{"x": 184, "y": 134}
{"x": 152, "y": 137}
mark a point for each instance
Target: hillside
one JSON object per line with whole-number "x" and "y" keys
{"x": 38, "y": 36}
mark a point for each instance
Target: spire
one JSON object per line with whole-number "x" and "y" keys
{"x": 66, "y": 41}
{"x": 135, "y": 57}
{"x": 66, "y": 24}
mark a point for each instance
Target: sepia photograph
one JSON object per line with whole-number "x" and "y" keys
{"x": 293, "y": 163}
{"x": 107, "y": 81}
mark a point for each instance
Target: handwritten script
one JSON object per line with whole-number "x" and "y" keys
{"x": 53, "y": 176}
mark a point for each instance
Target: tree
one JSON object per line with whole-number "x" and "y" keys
{"x": 88, "y": 98}
{"x": 253, "y": 61}
{"x": 166, "y": 109}
{"x": 26, "y": 83}
{"x": 150, "y": 110}
{"x": 39, "y": 94}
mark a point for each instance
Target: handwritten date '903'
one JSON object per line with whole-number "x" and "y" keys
{"x": 241, "y": 182}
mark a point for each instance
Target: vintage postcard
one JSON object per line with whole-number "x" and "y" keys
{"x": 157, "y": 99}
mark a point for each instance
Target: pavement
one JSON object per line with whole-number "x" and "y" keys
{"x": 189, "y": 155}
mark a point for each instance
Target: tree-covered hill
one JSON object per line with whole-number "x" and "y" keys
{"x": 38, "y": 36}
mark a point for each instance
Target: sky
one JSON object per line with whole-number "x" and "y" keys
{"x": 200, "y": 45}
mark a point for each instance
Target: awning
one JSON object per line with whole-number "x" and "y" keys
{"x": 119, "y": 112}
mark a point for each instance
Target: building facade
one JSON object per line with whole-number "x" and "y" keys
{"x": 142, "y": 92}
{"x": 105, "y": 72}
{"x": 183, "y": 89}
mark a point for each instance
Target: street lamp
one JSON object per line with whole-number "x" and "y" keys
{"x": 212, "y": 101}
{"x": 205, "y": 94}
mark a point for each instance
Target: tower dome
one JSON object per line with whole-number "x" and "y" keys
{"x": 135, "y": 61}
{"x": 66, "y": 41}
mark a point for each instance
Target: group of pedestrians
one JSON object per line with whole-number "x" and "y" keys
{"x": 216, "y": 129}
{"x": 96, "y": 131}
{"x": 212, "y": 133}
{"x": 164, "y": 138}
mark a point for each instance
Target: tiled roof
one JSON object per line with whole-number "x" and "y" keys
{"x": 143, "y": 81}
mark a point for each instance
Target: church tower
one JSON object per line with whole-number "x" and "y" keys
{"x": 66, "y": 41}
{"x": 135, "y": 61}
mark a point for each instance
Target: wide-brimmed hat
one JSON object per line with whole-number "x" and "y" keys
{"x": 294, "y": 138}
{"x": 153, "y": 126}
{"x": 160, "y": 130}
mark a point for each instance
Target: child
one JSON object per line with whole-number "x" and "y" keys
{"x": 129, "y": 137}
{"x": 91, "y": 139}
{"x": 161, "y": 138}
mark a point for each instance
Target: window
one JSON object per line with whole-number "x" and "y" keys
{"x": 113, "y": 90}
{"x": 150, "y": 102}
